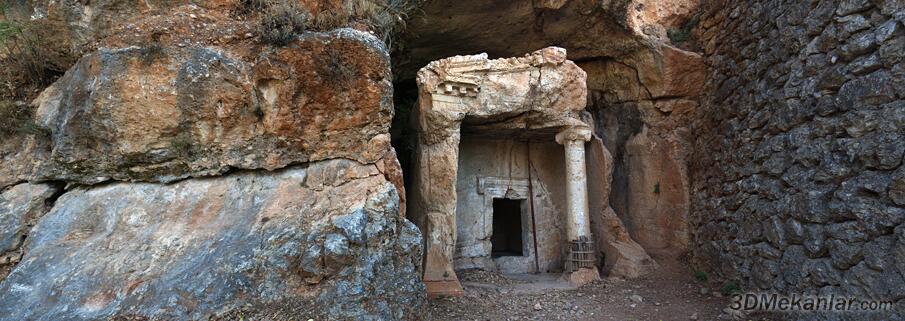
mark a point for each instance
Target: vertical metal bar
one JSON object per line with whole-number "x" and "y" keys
{"x": 531, "y": 207}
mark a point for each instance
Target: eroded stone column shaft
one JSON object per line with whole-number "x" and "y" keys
{"x": 573, "y": 140}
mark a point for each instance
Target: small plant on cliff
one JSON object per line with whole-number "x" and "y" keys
{"x": 334, "y": 71}
{"x": 730, "y": 288}
{"x": 281, "y": 22}
{"x": 153, "y": 51}
{"x": 683, "y": 34}
{"x": 247, "y": 6}
{"x": 18, "y": 118}
{"x": 701, "y": 276}
{"x": 385, "y": 18}
{"x": 182, "y": 144}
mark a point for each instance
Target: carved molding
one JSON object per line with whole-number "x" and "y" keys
{"x": 511, "y": 188}
{"x": 573, "y": 134}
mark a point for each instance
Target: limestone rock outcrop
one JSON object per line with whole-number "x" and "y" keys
{"x": 622, "y": 256}
{"x": 18, "y": 157}
{"x": 588, "y": 29}
{"x": 643, "y": 106}
{"x": 327, "y": 238}
{"x": 212, "y": 175}
{"x": 20, "y": 208}
{"x": 146, "y": 114}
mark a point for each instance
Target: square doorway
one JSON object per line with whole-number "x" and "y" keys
{"x": 506, "y": 239}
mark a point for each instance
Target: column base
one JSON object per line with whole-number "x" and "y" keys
{"x": 443, "y": 288}
{"x": 582, "y": 276}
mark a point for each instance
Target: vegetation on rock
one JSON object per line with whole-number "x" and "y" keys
{"x": 681, "y": 35}
{"x": 28, "y": 65}
{"x": 17, "y": 118}
{"x": 281, "y": 22}
{"x": 27, "y": 68}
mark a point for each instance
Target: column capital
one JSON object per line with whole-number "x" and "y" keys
{"x": 573, "y": 133}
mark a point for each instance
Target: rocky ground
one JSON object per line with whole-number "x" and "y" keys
{"x": 670, "y": 293}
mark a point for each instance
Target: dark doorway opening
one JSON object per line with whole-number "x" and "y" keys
{"x": 506, "y": 239}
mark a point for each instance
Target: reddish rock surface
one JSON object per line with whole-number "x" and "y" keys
{"x": 165, "y": 113}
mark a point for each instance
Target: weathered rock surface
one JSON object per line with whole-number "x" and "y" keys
{"x": 623, "y": 257}
{"x": 799, "y": 149}
{"x": 20, "y": 208}
{"x": 651, "y": 143}
{"x": 327, "y": 237}
{"x": 166, "y": 113}
{"x": 588, "y": 29}
{"x": 18, "y": 156}
{"x": 69, "y": 29}
{"x": 183, "y": 89}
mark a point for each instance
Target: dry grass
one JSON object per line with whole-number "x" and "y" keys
{"x": 18, "y": 118}
{"x": 281, "y": 22}
{"x": 385, "y": 17}
{"x": 27, "y": 62}
{"x": 28, "y": 67}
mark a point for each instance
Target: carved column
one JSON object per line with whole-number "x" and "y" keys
{"x": 579, "y": 222}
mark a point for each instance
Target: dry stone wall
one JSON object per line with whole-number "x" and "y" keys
{"x": 797, "y": 172}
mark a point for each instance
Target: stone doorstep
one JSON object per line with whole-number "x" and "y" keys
{"x": 582, "y": 276}
{"x": 439, "y": 289}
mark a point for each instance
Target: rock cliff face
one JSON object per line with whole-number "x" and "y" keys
{"x": 166, "y": 113}
{"x": 642, "y": 105}
{"x": 328, "y": 237}
{"x": 208, "y": 174}
{"x": 21, "y": 206}
{"x": 797, "y": 169}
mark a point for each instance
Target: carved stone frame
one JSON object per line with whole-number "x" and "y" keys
{"x": 543, "y": 90}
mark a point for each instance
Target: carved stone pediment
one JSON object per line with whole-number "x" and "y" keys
{"x": 541, "y": 91}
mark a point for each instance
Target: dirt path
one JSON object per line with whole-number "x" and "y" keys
{"x": 671, "y": 293}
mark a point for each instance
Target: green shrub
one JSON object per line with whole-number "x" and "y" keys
{"x": 151, "y": 53}
{"x": 247, "y": 6}
{"x": 281, "y": 22}
{"x": 683, "y": 34}
{"x": 701, "y": 276}
{"x": 729, "y": 288}
{"x": 182, "y": 143}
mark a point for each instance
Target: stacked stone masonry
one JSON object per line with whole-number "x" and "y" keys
{"x": 798, "y": 182}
